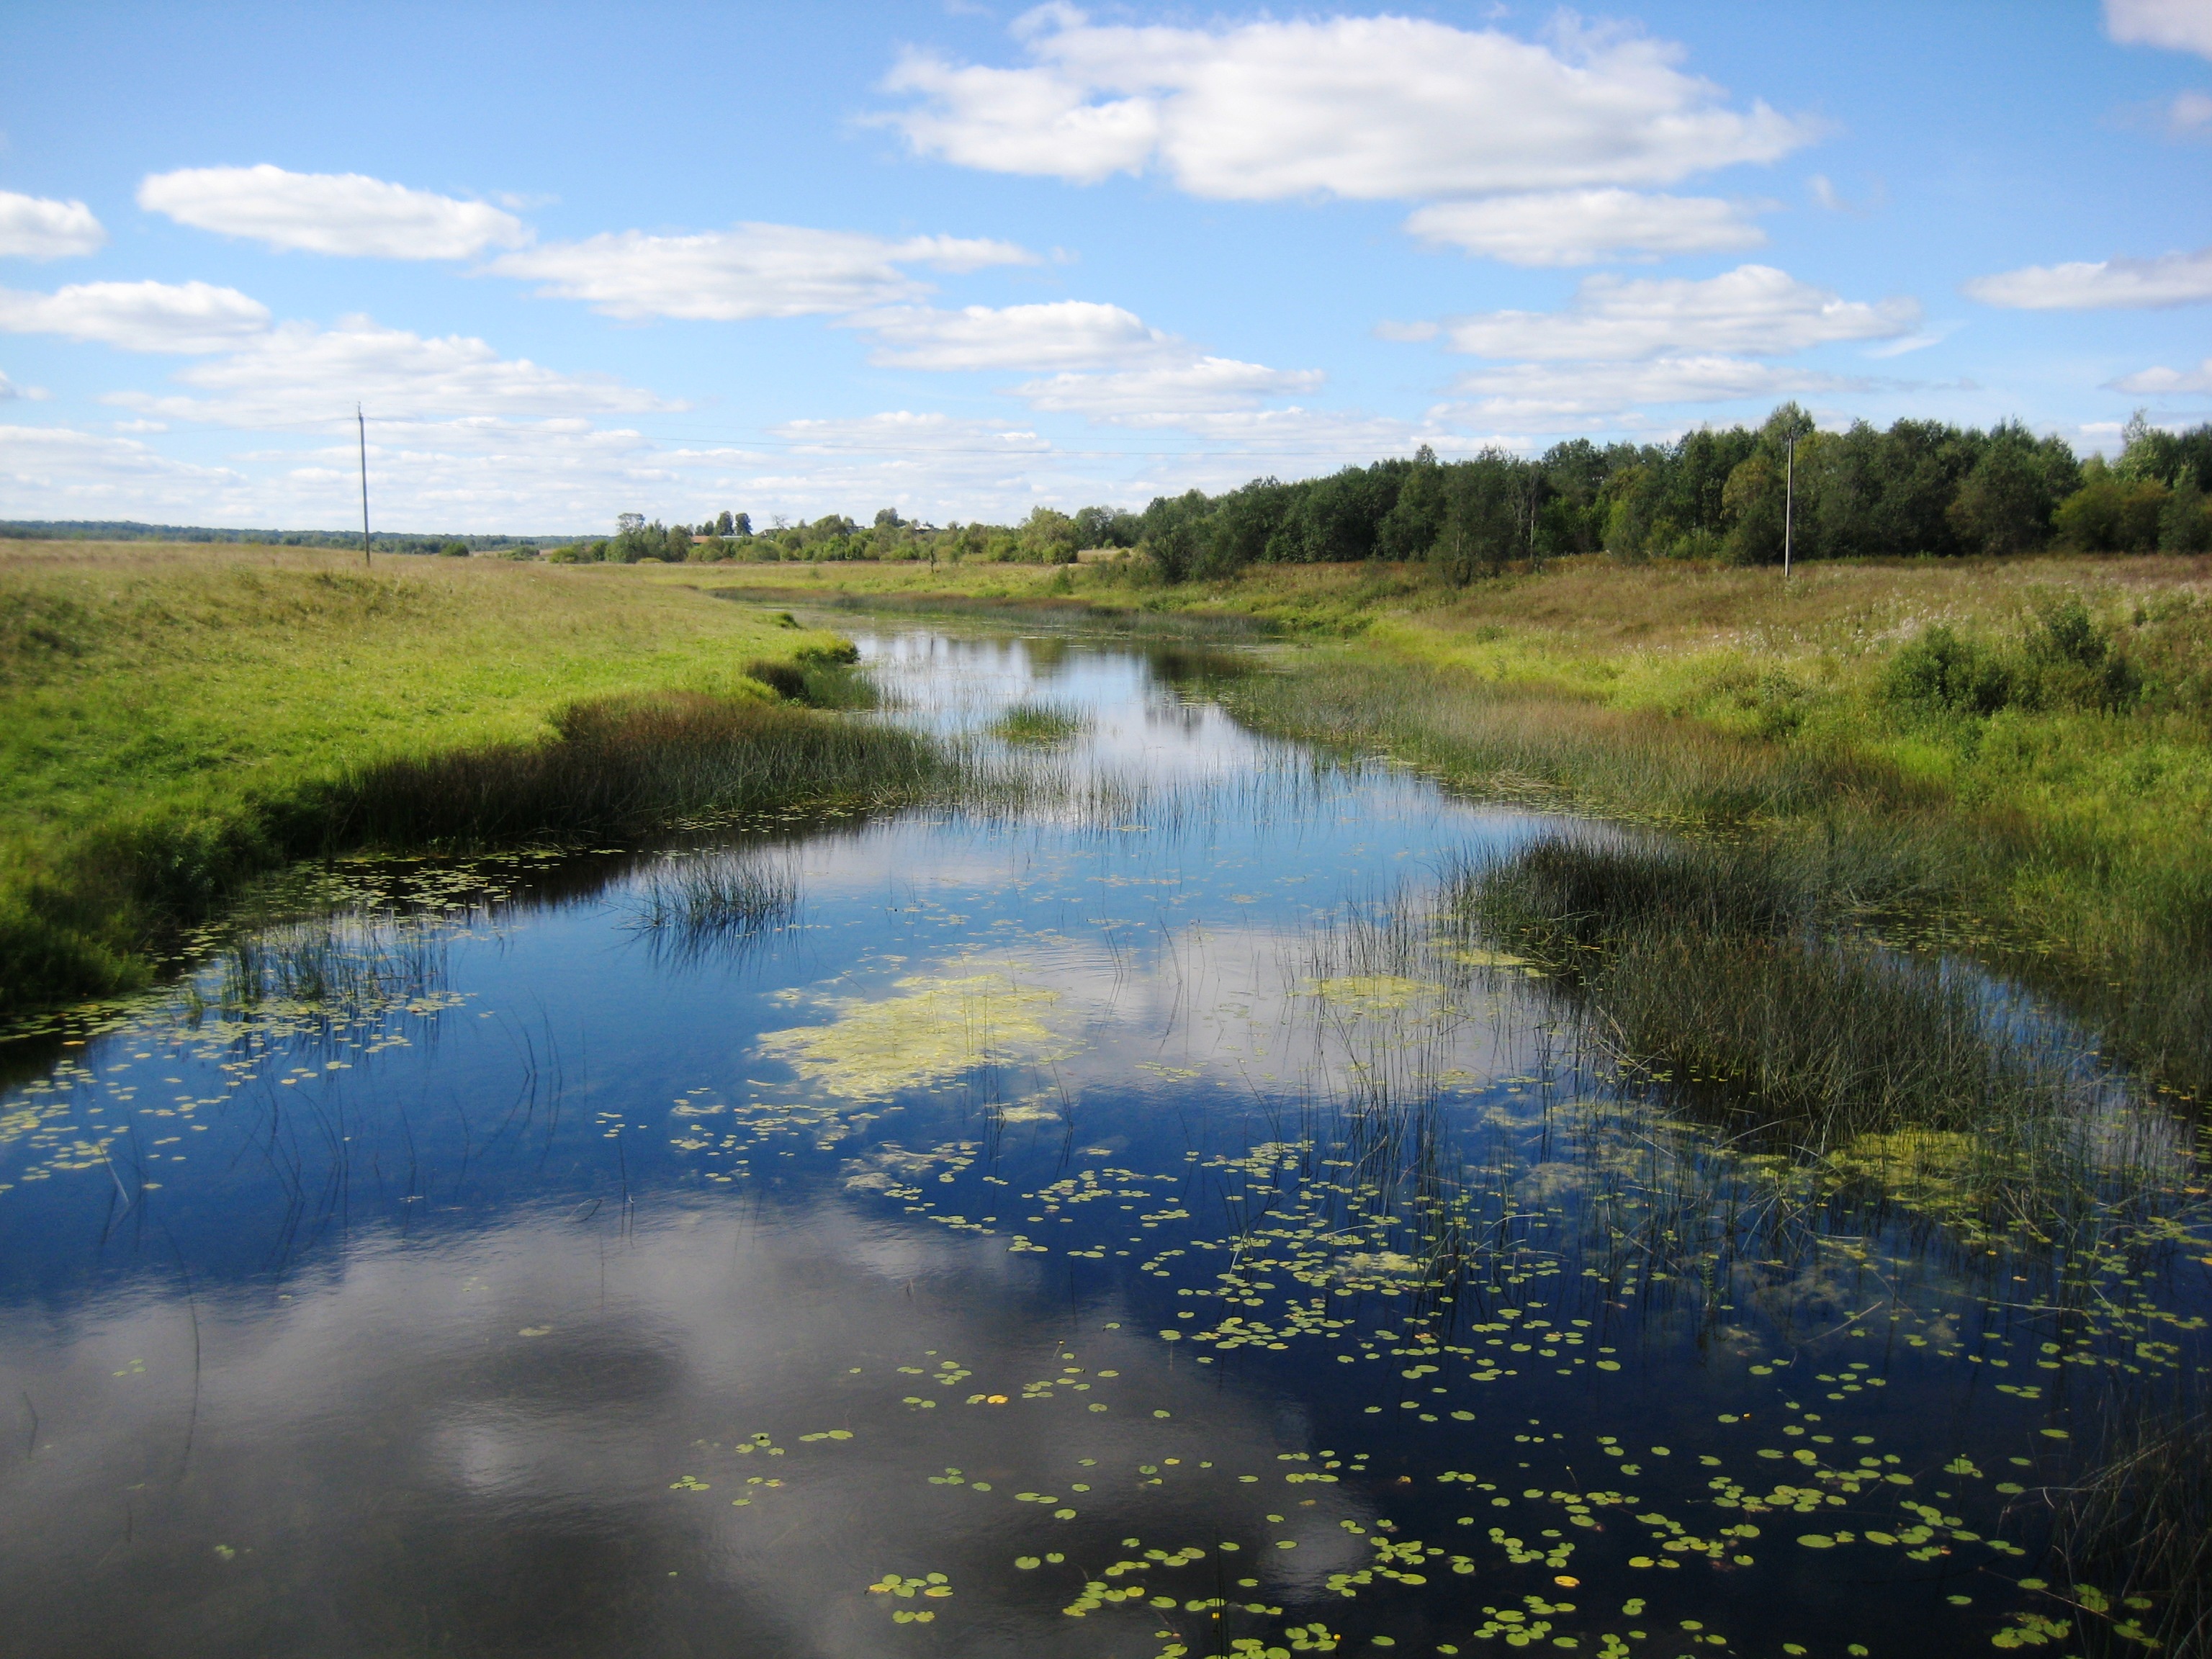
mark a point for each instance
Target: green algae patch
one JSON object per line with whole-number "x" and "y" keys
{"x": 936, "y": 1029}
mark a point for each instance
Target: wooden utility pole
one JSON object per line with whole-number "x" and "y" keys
{"x": 362, "y": 422}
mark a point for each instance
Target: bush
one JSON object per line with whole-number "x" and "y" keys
{"x": 1941, "y": 672}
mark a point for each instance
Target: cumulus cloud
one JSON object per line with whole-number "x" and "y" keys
{"x": 1547, "y": 394}
{"x": 35, "y": 227}
{"x": 1059, "y": 334}
{"x": 57, "y": 472}
{"x": 2162, "y": 381}
{"x": 1753, "y": 310}
{"x": 2177, "y": 24}
{"x": 181, "y": 316}
{"x": 2172, "y": 279}
{"x": 1150, "y": 378}
{"x": 1169, "y": 394}
{"x": 340, "y": 213}
{"x": 748, "y": 271}
{"x": 1363, "y": 107}
{"x": 300, "y": 374}
{"x": 1584, "y": 226}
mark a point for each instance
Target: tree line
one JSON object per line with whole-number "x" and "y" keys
{"x": 1920, "y": 488}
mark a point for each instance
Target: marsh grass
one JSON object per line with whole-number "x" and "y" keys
{"x": 2137, "y": 1530}
{"x": 1035, "y": 725}
{"x": 1735, "y": 973}
{"x": 327, "y": 966}
{"x": 2118, "y": 931}
{"x": 715, "y": 903}
{"x": 623, "y": 766}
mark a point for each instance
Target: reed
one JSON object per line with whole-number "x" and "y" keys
{"x": 1735, "y": 973}
{"x": 2134, "y": 1541}
{"x": 1037, "y": 725}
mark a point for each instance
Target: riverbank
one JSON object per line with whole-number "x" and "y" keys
{"x": 180, "y": 720}
{"x": 2014, "y": 757}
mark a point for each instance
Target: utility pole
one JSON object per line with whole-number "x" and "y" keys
{"x": 1788, "y": 494}
{"x": 362, "y": 422}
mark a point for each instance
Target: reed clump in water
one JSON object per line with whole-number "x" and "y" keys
{"x": 1037, "y": 724}
{"x": 1733, "y": 974}
{"x": 623, "y": 766}
{"x": 717, "y": 903}
{"x": 2134, "y": 1540}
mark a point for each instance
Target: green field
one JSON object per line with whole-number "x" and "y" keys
{"x": 180, "y": 718}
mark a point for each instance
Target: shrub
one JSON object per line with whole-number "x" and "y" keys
{"x": 1943, "y": 673}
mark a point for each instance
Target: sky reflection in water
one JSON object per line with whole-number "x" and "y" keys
{"x": 1103, "y": 1207}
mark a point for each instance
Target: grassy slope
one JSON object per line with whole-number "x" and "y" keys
{"x": 1722, "y": 698}
{"x": 171, "y": 697}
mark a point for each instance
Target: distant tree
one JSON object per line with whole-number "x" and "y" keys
{"x": 1047, "y": 536}
{"x": 1416, "y": 517}
{"x": 2185, "y": 525}
{"x": 455, "y": 550}
{"x": 741, "y": 524}
{"x": 724, "y": 524}
{"x": 625, "y": 522}
{"x": 1486, "y": 518}
{"x": 2110, "y": 513}
{"x": 887, "y": 517}
{"x": 2005, "y": 504}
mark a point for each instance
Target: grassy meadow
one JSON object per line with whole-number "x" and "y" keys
{"x": 2013, "y": 752}
{"x": 180, "y": 719}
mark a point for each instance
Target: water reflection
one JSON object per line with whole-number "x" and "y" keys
{"x": 1136, "y": 1210}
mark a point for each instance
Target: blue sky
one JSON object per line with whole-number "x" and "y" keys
{"x": 962, "y": 259}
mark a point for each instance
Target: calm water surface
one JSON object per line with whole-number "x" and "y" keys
{"x": 1121, "y": 1226}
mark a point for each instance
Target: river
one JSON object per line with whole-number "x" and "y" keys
{"x": 1115, "y": 1221}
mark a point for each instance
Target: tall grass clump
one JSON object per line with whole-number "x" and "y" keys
{"x": 704, "y": 901}
{"x": 1735, "y": 973}
{"x": 1037, "y": 724}
{"x": 623, "y": 766}
{"x": 2134, "y": 1540}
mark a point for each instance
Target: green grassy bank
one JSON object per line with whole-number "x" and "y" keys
{"x": 2015, "y": 753}
{"x": 178, "y": 719}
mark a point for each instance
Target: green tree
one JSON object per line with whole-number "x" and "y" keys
{"x": 1416, "y": 517}
{"x": 2185, "y": 523}
{"x": 2005, "y": 504}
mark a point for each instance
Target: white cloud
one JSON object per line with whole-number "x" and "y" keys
{"x": 904, "y": 432}
{"x": 2172, "y": 279}
{"x": 1365, "y": 107}
{"x": 299, "y": 375}
{"x": 1167, "y": 395}
{"x": 57, "y": 472}
{"x": 1584, "y": 226}
{"x": 183, "y": 316}
{"x": 2189, "y": 115}
{"x": 751, "y": 271}
{"x": 1059, "y": 334}
{"x": 1547, "y": 394}
{"x": 2162, "y": 381}
{"x": 35, "y": 227}
{"x": 1754, "y": 309}
{"x": 2177, "y": 24}
{"x": 343, "y": 213}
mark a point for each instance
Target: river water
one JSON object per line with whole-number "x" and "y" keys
{"x": 1113, "y": 1222}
